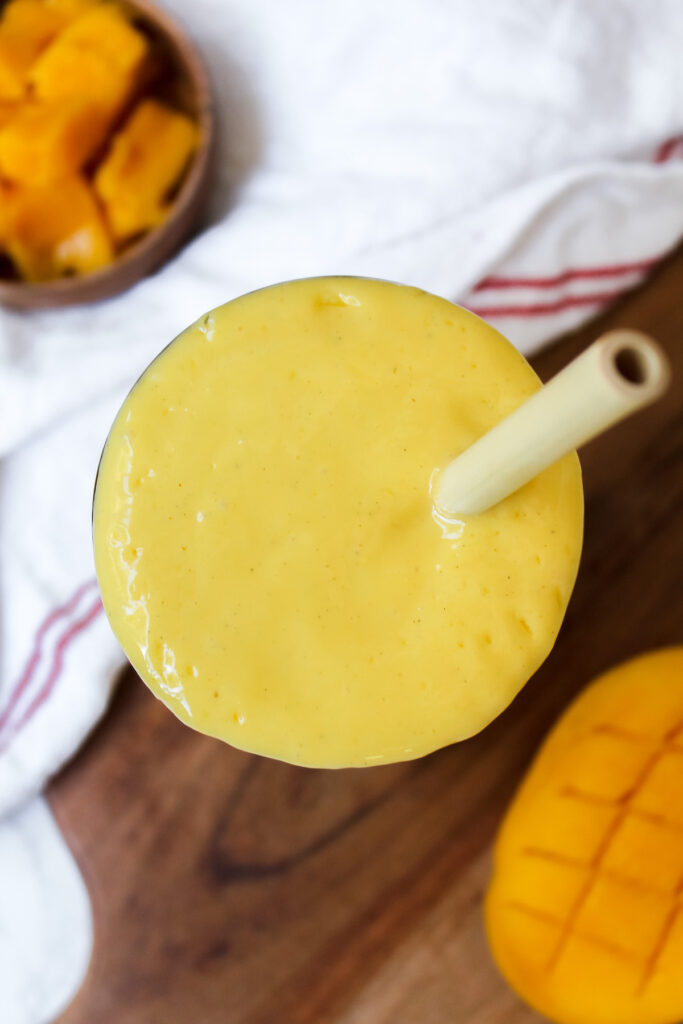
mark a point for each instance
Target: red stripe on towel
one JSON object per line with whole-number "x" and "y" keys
{"x": 55, "y": 671}
{"x": 667, "y": 149}
{"x": 36, "y": 653}
{"x": 548, "y": 308}
{"x": 575, "y": 274}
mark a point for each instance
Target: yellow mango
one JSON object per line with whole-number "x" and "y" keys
{"x": 99, "y": 56}
{"x": 8, "y": 109}
{"x": 26, "y": 28}
{"x": 54, "y": 231}
{"x": 146, "y": 159}
{"x": 45, "y": 142}
{"x": 584, "y": 912}
{"x": 69, "y": 10}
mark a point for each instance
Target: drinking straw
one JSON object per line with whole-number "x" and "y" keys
{"x": 618, "y": 374}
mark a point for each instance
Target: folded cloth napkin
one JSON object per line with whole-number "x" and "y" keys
{"x": 524, "y": 159}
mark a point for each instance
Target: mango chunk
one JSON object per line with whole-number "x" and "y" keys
{"x": 591, "y": 931}
{"x": 54, "y": 231}
{"x": 8, "y": 109}
{"x": 26, "y": 28}
{"x": 99, "y": 56}
{"x": 146, "y": 160}
{"x": 45, "y": 142}
{"x": 70, "y": 71}
{"x": 69, "y": 10}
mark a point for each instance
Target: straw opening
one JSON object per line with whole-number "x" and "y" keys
{"x": 619, "y": 373}
{"x": 631, "y": 365}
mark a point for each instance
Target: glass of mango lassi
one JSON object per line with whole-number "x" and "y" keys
{"x": 266, "y": 541}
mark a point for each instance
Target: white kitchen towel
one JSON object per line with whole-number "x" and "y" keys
{"x": 45, "y": 918}
{"x": 522, "y": 158}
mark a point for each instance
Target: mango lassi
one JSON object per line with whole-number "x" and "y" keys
{"x": 265, "y": 538}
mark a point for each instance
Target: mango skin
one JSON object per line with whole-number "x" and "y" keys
{"x": 584, "y": 913}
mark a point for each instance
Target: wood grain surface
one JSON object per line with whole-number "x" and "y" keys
{"x": 229, "y": 889}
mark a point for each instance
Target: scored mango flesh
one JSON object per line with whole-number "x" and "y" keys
{"x": 71, "y": 71}
{"x": 585, "y": 909}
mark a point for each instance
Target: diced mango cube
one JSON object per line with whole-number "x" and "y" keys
{"x": 8, "y": 109}
{"x": 99, "y": 56}
{"x": 146, "y": 160}
{"x": 69, "y": 10}
{"x": 45, "y": 142}
{"x": 26, "y": 28}
{"x": 53, "y": 231}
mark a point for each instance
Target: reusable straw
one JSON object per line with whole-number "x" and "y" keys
{"x": 618, "y": 374}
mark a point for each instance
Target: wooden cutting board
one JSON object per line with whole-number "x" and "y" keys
{"x": 229, "y": 889}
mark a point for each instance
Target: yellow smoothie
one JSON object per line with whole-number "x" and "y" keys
{"x": 265, "y": 539}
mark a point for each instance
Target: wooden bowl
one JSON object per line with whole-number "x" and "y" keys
{"x": 188, "y": 89}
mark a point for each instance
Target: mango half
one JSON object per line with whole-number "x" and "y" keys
{"x": 584, "y": 913}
